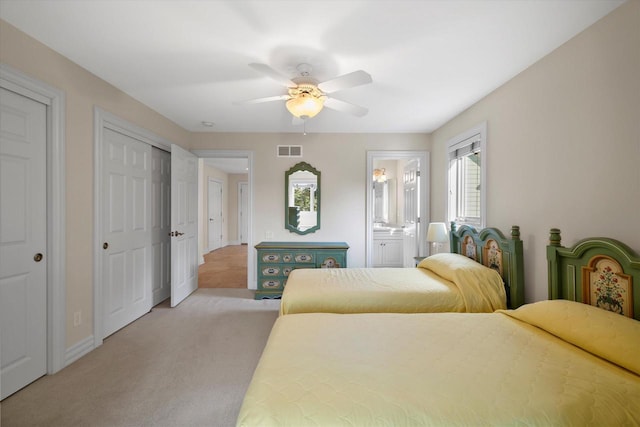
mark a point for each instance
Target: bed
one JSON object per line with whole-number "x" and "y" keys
{"x": 440, "y": 283}
{"x": 569, "y": 361}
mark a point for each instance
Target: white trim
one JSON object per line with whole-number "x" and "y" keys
{"x": 54, "y": 99}
{"x": 113, "y": 122}
{"x": 423, "y": 156}
{"x": 105, "y": 120}
{"x": 78, "y": 350}
{"x": 252, "y": 282}
{"x": 454, "y": 143}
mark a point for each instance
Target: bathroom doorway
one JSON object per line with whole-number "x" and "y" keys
{"x": 397, "y": 207}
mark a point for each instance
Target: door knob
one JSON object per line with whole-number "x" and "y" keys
{"x": 105, "y": 245}
{"x": 37, "y": 257}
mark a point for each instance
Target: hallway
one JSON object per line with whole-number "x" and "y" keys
{"x": 224, "y": 268}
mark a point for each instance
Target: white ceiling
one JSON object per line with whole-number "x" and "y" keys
{"x": 188, "y": 60}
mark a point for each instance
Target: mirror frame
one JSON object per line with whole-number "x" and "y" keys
{"x": 302, "y": 166}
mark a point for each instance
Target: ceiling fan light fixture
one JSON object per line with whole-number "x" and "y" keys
{"x": 305, "y": 105}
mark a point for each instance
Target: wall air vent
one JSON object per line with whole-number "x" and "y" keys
{"x": 289, "y": 150}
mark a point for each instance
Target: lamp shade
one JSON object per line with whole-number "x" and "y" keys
{"x": 305, "y": 105}
{"x": 437, "y": 232}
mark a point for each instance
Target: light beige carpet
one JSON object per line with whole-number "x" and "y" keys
{"x": 183, "y": 366}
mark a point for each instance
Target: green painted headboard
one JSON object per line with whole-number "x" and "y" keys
{"x": 598, "y": 271}
{"x": 491, "y": 248}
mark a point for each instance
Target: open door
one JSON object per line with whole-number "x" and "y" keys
{"x": 184, "y": 224}
{"x": 411, "y": 181}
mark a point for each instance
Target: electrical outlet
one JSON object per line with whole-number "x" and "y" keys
{"x": 77, "y": 318}
{"x": 268, "y": 234}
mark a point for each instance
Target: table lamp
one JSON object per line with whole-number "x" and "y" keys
{"x": 437, "y": 235}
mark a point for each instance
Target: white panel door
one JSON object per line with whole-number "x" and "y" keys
{"x": 184, "y": 224}
{"x": 214, "y": 199}
{"x": 161, "y": 224}
{"x": 23, "y": 261}
{"x": 127, "y": 252}
{"x": 243, "y": 213}
{"x": 411, "y": 185}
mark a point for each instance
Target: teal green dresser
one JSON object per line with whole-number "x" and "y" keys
{"x": 277, "y": 259}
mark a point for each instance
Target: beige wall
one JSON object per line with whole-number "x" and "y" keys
{"x": 563, "y": 144}
{"x": 82, "y": 91}
{"x": 341, "y": 160}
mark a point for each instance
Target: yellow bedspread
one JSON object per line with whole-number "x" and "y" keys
{"x": 441, "y": 283}
{"x": 439, "y": 369}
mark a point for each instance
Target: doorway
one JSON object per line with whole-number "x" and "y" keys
{"x": 231, "y": 264}
{"x": 397, "y": 207}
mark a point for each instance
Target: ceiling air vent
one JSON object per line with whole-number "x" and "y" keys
{"x": 289, "y": 150}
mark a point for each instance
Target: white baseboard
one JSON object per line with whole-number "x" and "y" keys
{"x": 78, "y": 350}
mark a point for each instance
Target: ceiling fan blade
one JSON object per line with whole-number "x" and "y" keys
{"x": 273, "y": 74}
{"x": 346, "y": 81}
{"x": 267, "y": 99}
{"x": 345, "y": 107}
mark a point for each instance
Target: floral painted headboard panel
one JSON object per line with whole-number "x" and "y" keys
{"x": 491, "y": 248}
{"x": 469, "y": 248}
{"x": 492, "y": 256}
{"x": 598, "y": 271}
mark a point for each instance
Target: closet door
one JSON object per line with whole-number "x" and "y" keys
{"x": 23, "y": 241}
{"x": 127, "y": 238}
{"x": 161, "y": 224}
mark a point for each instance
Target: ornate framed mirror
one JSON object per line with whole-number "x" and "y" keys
{"x": 302, "y": 199}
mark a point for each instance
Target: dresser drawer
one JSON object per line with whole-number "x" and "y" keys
{"x": 304, "y": 258}
{"x": 332, "y": 260}
{"x": 271, "y": 257}
{"x": 271, "y": 270}
{"x": 272, "y": 284}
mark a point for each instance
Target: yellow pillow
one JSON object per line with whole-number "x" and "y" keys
{"x": 609, "y": 335}
{"x": 445, "y": 264}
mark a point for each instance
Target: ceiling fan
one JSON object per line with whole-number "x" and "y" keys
{"x": 306, "y": 97}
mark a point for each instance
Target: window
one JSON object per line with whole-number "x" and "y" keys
{"x": 467, "y": 177}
